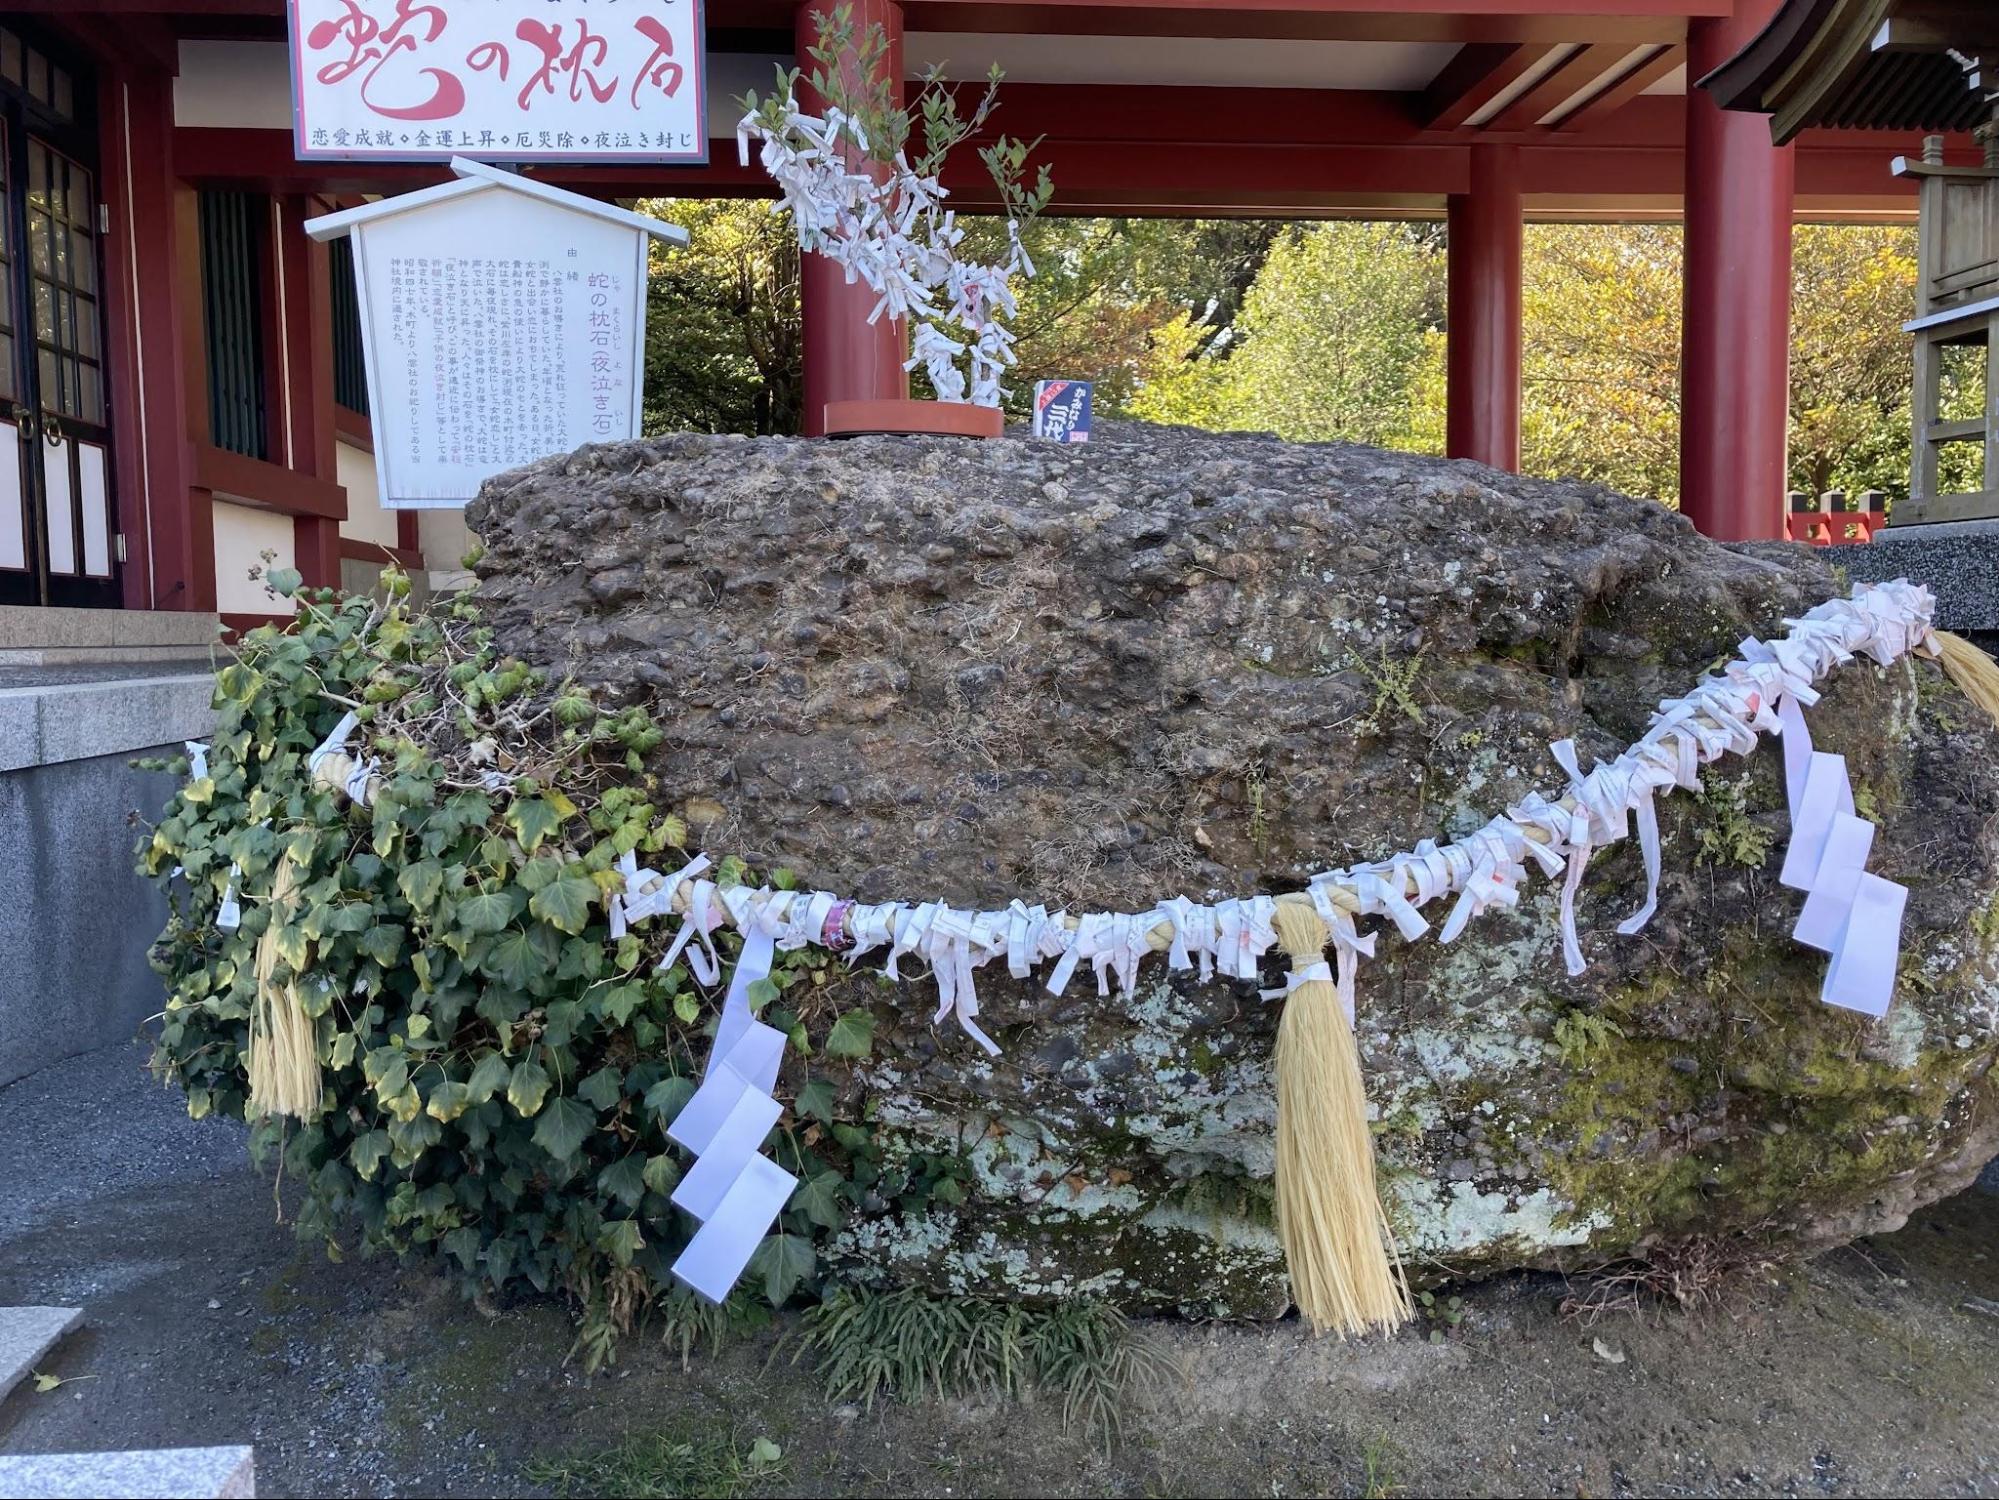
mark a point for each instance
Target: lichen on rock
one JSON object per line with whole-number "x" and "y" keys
{"x": 1177, "y": 663}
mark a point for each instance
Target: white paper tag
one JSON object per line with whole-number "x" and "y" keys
{"x": 1862, "y": 973}
{"x": 715, "y": 1257}
{"x": 727, "y": 1154}
{"x": 1827, "y": 793}
{"x": 751, "y": 1067}
{"x": 1845, "y": 858}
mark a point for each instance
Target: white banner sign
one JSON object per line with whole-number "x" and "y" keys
{"x": 506, "y": 80}
{"x": 503, "y": 320}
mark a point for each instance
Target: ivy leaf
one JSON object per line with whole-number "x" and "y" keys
{"x": 367, "y": 1152}
{"x": 621, "y": 1240}
{"x": 602, "y": 1087}
{"x": 853, "y": 1035}
{"x": 383, "y": 943}
{"x": 528, "y": 1087}
{"x": 421, "y": 884}
{"x": 662, "y": 1175}
{"x": 668, "y": 1098}
{"x": 513, "y": 960}
{"x": 624, "y": 1179}
{"x": 565, "y": 901}
{"x": 818, "y": 1200}
{"x": 489, "y": 1076}
{"x": 533, "y": 819}
{"x": 783, "y": 1260}
{"x": 563, "y": 1127}
{"x": 463, "y": 1242}
{"x": 447, "y": 1102}
{"x": 487, "y": 912}
{"x": 815, "y": 1101}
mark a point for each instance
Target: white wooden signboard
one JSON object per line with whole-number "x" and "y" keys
{"x": 511, "y": 80}
{"x": 502, "y": 320}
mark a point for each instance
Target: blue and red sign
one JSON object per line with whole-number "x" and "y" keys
{"x": 1062, "y": 410}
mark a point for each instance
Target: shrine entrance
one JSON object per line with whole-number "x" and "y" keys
{"x": 58, "y": 542}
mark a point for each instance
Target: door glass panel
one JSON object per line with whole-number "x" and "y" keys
{"x": 67, "y": 334}
{"x": 60, "y": 511}
{"x": 6, "y": 287}
{"x": 10, "y": 57}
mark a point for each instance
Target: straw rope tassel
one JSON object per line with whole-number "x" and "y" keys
{"x": 1972, "y": 670}
{"x": 1345, "y": 1273}
{"x": 284, "y": 1048}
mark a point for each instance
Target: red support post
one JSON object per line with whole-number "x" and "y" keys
{"x": 846, "y": 358}
{"x": 1735, "y": 350}
{"x": 1482, "y": 351}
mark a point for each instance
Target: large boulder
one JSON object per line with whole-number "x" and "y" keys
{"x": 1176, "y": 663}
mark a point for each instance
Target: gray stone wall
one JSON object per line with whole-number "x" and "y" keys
{"x": 76, "y": 919}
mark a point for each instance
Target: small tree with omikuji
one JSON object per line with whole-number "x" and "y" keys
{"x": 866, "y": 195}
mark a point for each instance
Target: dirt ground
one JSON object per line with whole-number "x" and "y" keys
{"x": 1873, "y": 1371}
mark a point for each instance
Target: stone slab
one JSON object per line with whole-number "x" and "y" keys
{"x": 1957, "y": 560}
{"x": 26, "y": 1334}
{"x": 224, "y": 1473}
{"x": 25, "y": 626}
{"x": 78, "y": 919}
{"x": 45, "y": 724}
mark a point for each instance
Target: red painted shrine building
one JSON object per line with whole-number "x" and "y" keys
{"x": 184, "y": 388}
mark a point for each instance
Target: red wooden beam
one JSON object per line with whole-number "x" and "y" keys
{"x": 284, "y": 490}
{"x": 1595, "y": 111}
{"x": 1477, "y": 75}
{"x": 1561, "y": 83}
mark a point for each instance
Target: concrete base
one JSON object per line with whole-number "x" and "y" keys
{"x": 26, "y": 1334}
{"x": 1957, "y": 560}
{"x": 33, "y": 636}
{"x": 225, "y": 1473}
{"x": 78, "y": 920}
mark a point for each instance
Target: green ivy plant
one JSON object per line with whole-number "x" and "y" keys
{"x": 499, "y": 1075}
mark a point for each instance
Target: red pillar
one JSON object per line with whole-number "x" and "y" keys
{"x": 1482, "y": 351}
{"x": 1735, "y": 350}
{"x": 846, "y": 359}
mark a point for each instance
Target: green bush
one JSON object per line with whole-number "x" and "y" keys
{"x": 499, "y": 1074}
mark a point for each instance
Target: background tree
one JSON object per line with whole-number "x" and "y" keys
{"x": 723, "y": 352}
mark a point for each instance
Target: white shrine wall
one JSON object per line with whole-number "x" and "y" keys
{"x": 243, "y": 533}
{"x": 366, "y": 520}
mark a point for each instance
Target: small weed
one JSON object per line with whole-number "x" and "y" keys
{"x": 1445, "y": 1316}
{"x": 1259, "y": 827}
{"x": 1377, "y": 1470}
{"x": 1394, "y": 687}
{"x": 1728, "y": 835}
{"x": 908, "y": 1345}
{"x": 1692, "y": 1275}
{"x": 1580, "y": 1034}
{"x": 707, "y": 1467}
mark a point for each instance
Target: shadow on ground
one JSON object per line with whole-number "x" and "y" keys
{"x": 1872, "y": 1371}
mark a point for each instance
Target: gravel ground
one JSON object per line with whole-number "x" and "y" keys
{"x": 1874, "y": 1370}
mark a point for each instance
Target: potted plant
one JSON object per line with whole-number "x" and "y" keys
{"x": 863, "y": 191}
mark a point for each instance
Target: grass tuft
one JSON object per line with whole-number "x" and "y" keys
{"x": 668, "y": 1466}
{"x": 907, "y": 1345}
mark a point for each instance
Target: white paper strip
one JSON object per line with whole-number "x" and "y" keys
{"x": 1824, "y": 916}
{"x": 721, "y": 1247}
{"x": 1862, "y": 973}
{"x": 739, "y": 1137}
{"x": 1827, "y": 794}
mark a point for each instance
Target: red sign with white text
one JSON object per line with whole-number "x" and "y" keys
{"x": 500, "y": 80}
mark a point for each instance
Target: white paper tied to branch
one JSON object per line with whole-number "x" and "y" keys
{"x": 888, "y": 228}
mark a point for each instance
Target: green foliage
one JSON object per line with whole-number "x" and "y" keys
{"x": 703, "y": 1465}
{"x": 1581, "y": 1035}
{"x": 908, "y": 1345}
{"x": 1728, "y": 835}
{"x": 1330, "y": 342}
{"x": 499, "y": 1076}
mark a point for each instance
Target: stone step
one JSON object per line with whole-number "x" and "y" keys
{"x": 224, "y": 1473}
{"x": 31, "y": 627}
{"x": 28, "y": 1333}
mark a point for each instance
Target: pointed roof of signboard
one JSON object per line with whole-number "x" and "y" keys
{"x": 478, "y": 177}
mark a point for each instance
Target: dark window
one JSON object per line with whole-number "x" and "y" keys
{"x": 232, "y": 291}
{"x": 350, "y": 370}
{"x": 62, "y": 259}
